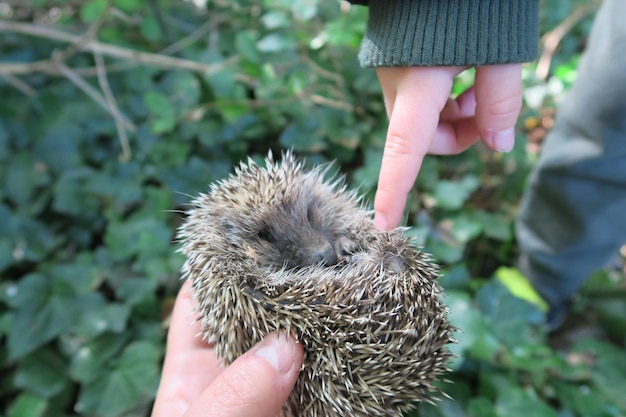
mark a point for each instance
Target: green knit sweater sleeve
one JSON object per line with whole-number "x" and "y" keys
{"x": 449, "y": 32}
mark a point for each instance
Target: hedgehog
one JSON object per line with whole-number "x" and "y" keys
{"x": 280, "y": 247}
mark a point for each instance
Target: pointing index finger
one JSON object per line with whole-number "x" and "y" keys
{"x": 420, "y": 95}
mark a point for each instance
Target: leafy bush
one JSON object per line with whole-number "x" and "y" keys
{"x": 115, "y": 112}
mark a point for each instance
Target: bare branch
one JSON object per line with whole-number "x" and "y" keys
{"x": 19, "y": 84}
{"x": 114, "y": 109}
{"x": 155, "y": 60}
{"x": 90, "y": 91}
{"x": 189, "y": 39}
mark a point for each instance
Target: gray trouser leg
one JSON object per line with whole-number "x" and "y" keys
{"x": 573, "y": 214}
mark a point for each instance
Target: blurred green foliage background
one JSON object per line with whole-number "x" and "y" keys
{"x": 113, "y": 113}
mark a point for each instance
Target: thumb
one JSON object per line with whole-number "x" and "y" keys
{"x": 256, "y": 384}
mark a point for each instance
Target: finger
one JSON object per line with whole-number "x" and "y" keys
{"x": 256, "y": 384}
{"x": 499, "y": 100}
{"x": 413, "y": 121}
{"x": 457, "y": 128}
{"x": 464, "y": 106}
{"x": 190, "y": 364}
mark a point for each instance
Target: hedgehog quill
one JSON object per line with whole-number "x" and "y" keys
{"x": 280, "y": 247}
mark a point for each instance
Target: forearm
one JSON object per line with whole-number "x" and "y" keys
{"x": 449, "y": 32}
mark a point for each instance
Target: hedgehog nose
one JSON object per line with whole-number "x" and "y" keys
{"x": 325, "y": 255}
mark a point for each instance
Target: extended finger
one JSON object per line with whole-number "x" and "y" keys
{"x": 256, "y": 384}
{"x": 499, "y": 100}
{"x": 413, "y": 120}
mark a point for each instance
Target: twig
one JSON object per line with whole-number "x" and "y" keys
{"x": 189, "y": 39}
{"x": 113, "y": 108}
{"x": 89, "y": 90}
{"x": 329, "y": 102}
{"x": 155, "y": 60}
{"x": 19, "y": 84}
{"x": 552, "y": 39}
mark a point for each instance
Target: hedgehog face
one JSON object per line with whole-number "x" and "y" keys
{"x": 290, "y": 233}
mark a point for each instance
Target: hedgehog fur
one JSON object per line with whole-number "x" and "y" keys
{"x": 280, "y": 247}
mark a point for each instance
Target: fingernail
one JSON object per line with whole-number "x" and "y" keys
{"x": 380, "y": 221}
{"x": 279, "y": 351}
{"x": 501, "y": 141}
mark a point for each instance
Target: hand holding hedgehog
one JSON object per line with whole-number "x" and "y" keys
{"x": 279, "y": 248}
{"x": 193, "y": 384}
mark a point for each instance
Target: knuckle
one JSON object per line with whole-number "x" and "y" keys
{"x": 238, "y": 389}
{"x": 397, "y": 146}
{"x": 506, "y": 107}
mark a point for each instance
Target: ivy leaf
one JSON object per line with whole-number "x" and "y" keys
{"x": 520, "y": 287}
{"x": 92, "y": 10}
{"x": 303, "y": 136}
{"x": 133, "y": 376}
{"x": 245, "y": 41}
{"x": 150, "y": 29}
{"x": 42, "y": 373}
{"x": 516, "y": 402}
{"x": 42, "y": 312}
{"x": 494, "y": 225}
{"x": 162, "y": 111}
{"x": 89, "y": 360}
{"x": 27, "y": 405}
{"x": 277, "y": 42}
{"x": 515, "y": 321}
{"x": 111, "y": 317}
{"x": 473, "y": 331}
{"x": 451, "y": 195}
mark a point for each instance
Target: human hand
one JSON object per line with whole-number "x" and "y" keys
{"x": 193, "y": 384}
{"x": 423, "y": 119}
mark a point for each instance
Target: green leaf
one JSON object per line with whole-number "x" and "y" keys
{"x": 446, "y": 251}
{"x": 473, "y": 331}
{"x": 134, "y": 375}
{"x": 481, "y": 406}
{"x": 302, "y": 136}
{"x": 42, "y": 373}
{"x": 23, "y": 176}
{"x": 452, "y": 195}
{"x": 147, "y": 236}
{"x": 71, "y": 195}
{"x": 464, "y": 228}
{"x": 274, "y": 19}
{"x": 223, "y": 85}
{"x": 27, "y": 405}
{"x": 162, "y": 110}
{"x": 150, "y": 29}
{"x": 515, "y": 321}
{"x": 130, "y": 6}
{"x": 583, "y": 400}
{"x": 494, "y": 225}
{"x": 609, "y": 370}
{"x": 90, "y": 359}
{"x": 517, "y": 402}
{"x": 41, "y": 313}
{"x": 106, "y": 318}
{"x": 245, "y": 41}
{"x": 92, "y": 10}
{"x": 277, "y": 42}
{"x": 520, "y": 287}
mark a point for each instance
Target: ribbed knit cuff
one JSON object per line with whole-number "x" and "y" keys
{"x": 450, "y": 32}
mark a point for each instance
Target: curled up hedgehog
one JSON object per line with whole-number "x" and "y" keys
{"x": 280, "y": 247}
